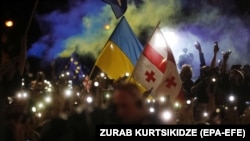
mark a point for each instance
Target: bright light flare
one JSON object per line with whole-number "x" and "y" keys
{"x": 188, "y": 101}
{"x": 25, "y": 95}
{"x": 67, "y": 92}
{"x": 102, "y": 74}
{"x": 47, "y": 99}
{"x": 166, "y": 115}
{"x": 33, "y": 109}
{"x": 177, "y": 104}
{"x": 231, "y": 98}
{"x": 127, "y": 74}
{"x": 205, "y": 114}
{"x": 89, "y": 99}
{"x": 39, "y": 115}
{"x": 107, "y": 27}
{"x": 153, "y": 101}
{"x": 148, "y": 101}
{"x": 78, "y": 94}
{"x": 49, "y": 89}
{"x": 40, "y": 105}
{"x": 96, "y": 84}
{"x": 19, "y": 95}
{"x": 213, "y": 79}
{"x": 107, "y": 96}
{"x": 162, "y": 99}
{"x": 170, "y": 36}
{"x": 151, "y": 109}
{"x": 9, "y": 23}
{"x": 217, "y": 110}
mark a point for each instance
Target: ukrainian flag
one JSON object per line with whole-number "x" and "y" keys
{"x": 121, "y": 52}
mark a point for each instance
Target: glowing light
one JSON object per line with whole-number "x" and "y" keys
{"x": 25, "y": 95}
{"x": 62, "y": 75}
{"x": 107, "y": 96}
{"x": 188, "y": 101}
{"x": 148, "y": 101}
{"x": 40, "y": 105}
{"x": 107, "y": 27}
{"x": 235, "y": 108}
{"x": 226, "y": 108}
{"x": 96, "y": 84}
{"x": 127, "y": 74}
{"x": 39, "y": 115}
{"x": 9, "y": 23}
{"x": 151, "y": 109}
{"x": 67, "y": 73}
{"x": 205, "y": 114}
{"x": 162, "y": 99}
{"x": 67, "y": 92}
{"x": 76, "y": 103}
{"x": 22, "y": 83}
{"x": 33, "y": 109}
{"x": 213, "y": 79}
{"x": 170, "y": 36}
{"x": 176, "y": 104}
{"x": 75, "y": 62}
{"x": 153, "y": 101}
{"x": 70, "y": 81}
{"x": 47, "y": 99}
{"x": 10, "y": 100}
{"x": 102, "y": 74}
{"x": 217, "y": 110}
{"x": 78, "y": 94}
{"x": 105, "y": 77}
{"x": 49, "y": 89}
{"x": 19, "y": 95}
{"x": 89, "y": 99}
{"x": 231, "y": 98}
{"x": 166, "y": 115}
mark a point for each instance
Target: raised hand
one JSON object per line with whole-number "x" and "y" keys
{"x": 226, "y": 55}
{"x": 197, "y": 46}
{"x": 216, "y": 47}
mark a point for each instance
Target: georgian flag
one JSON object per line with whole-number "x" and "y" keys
{"x": 156, "y": 68}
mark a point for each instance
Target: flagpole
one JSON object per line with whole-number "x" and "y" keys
{"x": 157, "y": 25}
{"x": 93, "y": 68}
{"x": 22, "y": 55}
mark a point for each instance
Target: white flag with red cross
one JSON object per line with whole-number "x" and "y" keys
{"x": 156, "y": 68}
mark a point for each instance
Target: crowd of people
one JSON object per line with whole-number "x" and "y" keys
{"x": 218, "y": 96}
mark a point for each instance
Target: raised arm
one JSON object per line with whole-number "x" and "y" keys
{"x": 201, "y": 55}
{"x": 216, "y": 49}
{"x": 223, "y": 68}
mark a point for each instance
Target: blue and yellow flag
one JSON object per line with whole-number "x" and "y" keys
{"x": 121, "y": 52}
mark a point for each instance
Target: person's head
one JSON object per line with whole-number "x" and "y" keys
{"x": 204, "y": 71}
{"x": 185, "y": 50}
{"x": 186, "y": 72}
{"x": 129, "y": 103}
{"x": 246, "y": 70}
{"x": 236, "y": 77}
